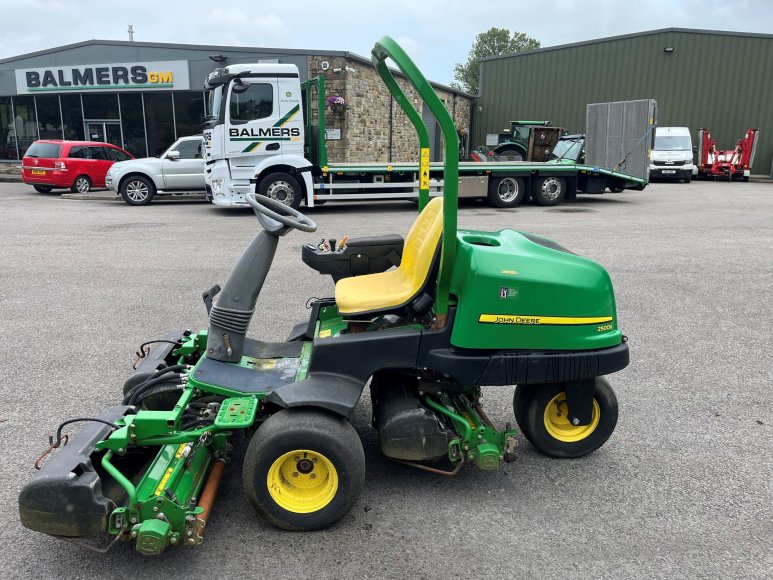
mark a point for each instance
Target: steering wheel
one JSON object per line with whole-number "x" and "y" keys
{"x": 278, "y": 218}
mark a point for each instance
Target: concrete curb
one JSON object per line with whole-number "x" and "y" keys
{"x": 98, "y": 196}
{"x": 10, "y": 178}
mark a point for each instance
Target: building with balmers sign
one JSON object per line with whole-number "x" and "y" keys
{"x": 142, "y": 96}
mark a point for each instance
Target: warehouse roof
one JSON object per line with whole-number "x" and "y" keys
{"x": 625, "y": 36}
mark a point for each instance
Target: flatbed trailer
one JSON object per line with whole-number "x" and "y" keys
{"x": 504, "y": 184}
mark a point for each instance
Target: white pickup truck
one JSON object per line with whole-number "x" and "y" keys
{"x": 180, "y": 169}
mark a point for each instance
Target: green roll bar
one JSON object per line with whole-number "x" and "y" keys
{"x": 388, "y": 48}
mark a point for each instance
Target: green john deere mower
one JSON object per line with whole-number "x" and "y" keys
{"x": 462, "y": 309}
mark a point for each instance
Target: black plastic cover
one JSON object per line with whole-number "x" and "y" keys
{"x": 66, "y": 497}
{"x": 360, "y": 256}
{"x": 406, "y": 429}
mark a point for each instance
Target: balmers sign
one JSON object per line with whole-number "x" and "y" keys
{"x": 134, "y": 76}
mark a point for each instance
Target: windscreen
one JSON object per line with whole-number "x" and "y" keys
{"x": 567, "y": 149}
{"x": 44, "y": 150}
{"x": 214, "y": 102}
{"x": 672, "y": 143}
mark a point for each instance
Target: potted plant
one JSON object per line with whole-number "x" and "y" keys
{"x": 336, "y": 104}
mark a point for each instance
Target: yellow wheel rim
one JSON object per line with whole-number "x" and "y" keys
{"x": 302, "y": 481}
{"x": 558, "y": 425}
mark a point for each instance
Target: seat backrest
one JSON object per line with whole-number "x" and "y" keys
{"x": 422, "y": 241}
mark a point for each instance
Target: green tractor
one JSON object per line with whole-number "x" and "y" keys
{"x": 528, "y": 141}
{"x": 461, "y": 309}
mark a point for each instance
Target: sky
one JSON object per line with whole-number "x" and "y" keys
{"x": 435, "y": 34}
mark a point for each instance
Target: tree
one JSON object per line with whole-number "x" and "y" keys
{"x": 490, "y": 43}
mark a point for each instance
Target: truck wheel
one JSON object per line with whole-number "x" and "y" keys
{"x": 551, "y": 432}
{"x": 281, "y": 187}
{"x": 82, "y": 184}
{"x": 43, "y": 188}
{"x": 137, "y": 190}
{"x": 618, "y": 188}
{"x": 304, "y": 469}
{"x": 548, "y": 190}
{"x": 505, "y": 191}
{"x": 687, "y": 179}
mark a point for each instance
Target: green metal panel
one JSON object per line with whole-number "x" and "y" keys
{"x": 713, "y": 80}
{"x": 518, "y": 293}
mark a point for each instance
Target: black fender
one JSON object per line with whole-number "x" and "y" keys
{"x": 333, "y": 392}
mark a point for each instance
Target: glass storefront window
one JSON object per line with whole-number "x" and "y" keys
{"x": 7, "y": 135}
{"x": 159, "y": 122}
{"x": 188, "y": 113}
{"x": 25, "y": 124}
{"x": 100, "y": 106}
{"x": 72, "y": 117}
{"x": 49, "y": 119}
{"x": 133, "y": 125}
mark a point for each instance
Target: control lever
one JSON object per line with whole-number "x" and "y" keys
{"x": 209, "y": 296}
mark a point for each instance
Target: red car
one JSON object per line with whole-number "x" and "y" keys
{"x": 75, "y": 165}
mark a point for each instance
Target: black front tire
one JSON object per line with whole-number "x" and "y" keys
{"x": 82, "y": 184}
{"x": 304, "y": 469}
{"x": 137, "y": 190}
{"x": 548, "y": 191}
{"x": 43, "y": 188}
{"x": 282, "y": 187}
{"x": 550, "y": 431}
{"x": 506, "y": 192}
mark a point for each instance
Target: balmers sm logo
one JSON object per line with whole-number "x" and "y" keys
{"x": 129, "y": 76}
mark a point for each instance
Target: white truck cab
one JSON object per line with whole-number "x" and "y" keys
{"x": 672, "y": 155}
{"x": 253, "y": 135}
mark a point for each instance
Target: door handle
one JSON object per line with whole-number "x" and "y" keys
{"x": 272, "y": 147}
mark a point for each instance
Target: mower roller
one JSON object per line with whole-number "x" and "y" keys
{"x": 460, "y": 310}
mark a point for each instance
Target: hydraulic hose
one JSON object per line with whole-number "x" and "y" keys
{"x": 134, "y": 394}
{"x": 165, "y": 370}
{"x": 158, "y": 390}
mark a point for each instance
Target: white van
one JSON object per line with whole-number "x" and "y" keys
{"x": 671, "y": 157}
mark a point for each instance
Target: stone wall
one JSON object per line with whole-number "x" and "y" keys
{"x": 366, "y": 134}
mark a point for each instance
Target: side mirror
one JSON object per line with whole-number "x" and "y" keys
{"x": 239, "y": 86}
{"x": 173, "y": 155}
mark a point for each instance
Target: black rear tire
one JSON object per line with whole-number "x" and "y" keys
{"x": 82, "y": 184}
{"x": 521, "y": 399}
{"x": 137, "y": 190}
{"x": 304, "y": 469}
{"x": 506, "y": 191}
{"x": 43, "y": 188}
{"x": 548, "y": 191}
{"x": 550, "y": 431}
{"x": 512, "y": 153}
{"x": 281, "y": 187}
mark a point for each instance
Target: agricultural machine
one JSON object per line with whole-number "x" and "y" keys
{"x": 728, "y": 164}
{"x": 461, "y": 310}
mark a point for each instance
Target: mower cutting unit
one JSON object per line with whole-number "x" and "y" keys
{"x": 461, "y": 309}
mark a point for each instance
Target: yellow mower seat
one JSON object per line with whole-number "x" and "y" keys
{"x": 388, "y": 290}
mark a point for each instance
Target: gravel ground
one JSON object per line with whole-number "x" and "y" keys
{"x": 681, "y": 490}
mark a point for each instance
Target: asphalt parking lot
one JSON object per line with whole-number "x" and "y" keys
{"x": 681, "y": 490}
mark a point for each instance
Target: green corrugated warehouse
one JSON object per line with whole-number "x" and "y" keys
{"x": 700, "y": 78}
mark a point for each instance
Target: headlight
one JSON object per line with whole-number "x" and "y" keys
{"x": 217, "y": 186}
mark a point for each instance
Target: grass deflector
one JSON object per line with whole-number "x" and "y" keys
{"x": 459, "y": 310}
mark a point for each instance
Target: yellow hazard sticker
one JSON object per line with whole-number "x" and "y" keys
{"x": 162, "y": 483}
{"x": 325, "y": 333}
{"x": 546, "y": 320}
{"x": 424, "y": 169}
